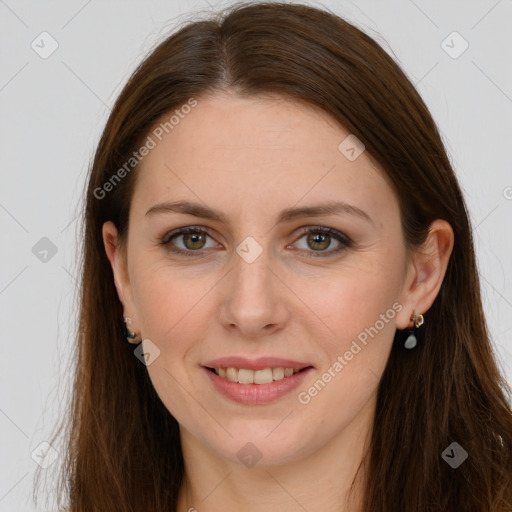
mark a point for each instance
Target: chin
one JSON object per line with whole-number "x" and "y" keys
{"x": 261, "y": 449}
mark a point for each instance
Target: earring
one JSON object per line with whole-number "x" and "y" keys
{"x": 411, "y": 340}
{"x": 129, "y": 335}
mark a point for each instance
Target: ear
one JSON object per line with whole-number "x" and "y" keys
{"x": 426, "y": 272}
{"x": 117, "y": 259}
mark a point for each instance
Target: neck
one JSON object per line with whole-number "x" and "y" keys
{"x": 321, "y": 480}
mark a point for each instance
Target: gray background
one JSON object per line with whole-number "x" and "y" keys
{"x": 52, "y": 112}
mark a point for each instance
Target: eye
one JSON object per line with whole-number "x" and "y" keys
{"x": 193, "y": 241}
{"x": 320, "y": 238}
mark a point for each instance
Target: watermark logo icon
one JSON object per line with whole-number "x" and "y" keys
{"x": 454, "y": 455}
{"x": 44, "y": 45}
{"x": 351, "y": 147}
{"x": 44, "y": 455}
{"x": 44, "y": 250}
{"x": 147, "y": 352}
{"x": 249, "y": 455}
{"x": 454, "y": 45}
{"x": 249, "y": 249}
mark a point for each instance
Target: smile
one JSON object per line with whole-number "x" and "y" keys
{"x": 246, "y": 376}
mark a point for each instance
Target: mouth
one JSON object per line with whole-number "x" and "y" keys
{"x": 263, "y": 376}
{"x": 257, "y": 387}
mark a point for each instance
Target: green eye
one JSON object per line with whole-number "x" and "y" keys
{"x": 194, "y": 240}
{"x": 319, "y": 239}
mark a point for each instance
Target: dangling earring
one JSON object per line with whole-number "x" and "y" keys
{"x": 411, "y": 340}
{"x": 129, "y": 335}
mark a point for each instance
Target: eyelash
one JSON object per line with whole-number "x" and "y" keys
{"x": 345, "y": 241}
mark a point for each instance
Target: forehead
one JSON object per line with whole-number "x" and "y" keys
{"x": 243, "y": 151}
{"x": 261, "y": 127}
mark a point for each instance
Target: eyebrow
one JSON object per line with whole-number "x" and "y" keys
{"x": 287, "y": 215}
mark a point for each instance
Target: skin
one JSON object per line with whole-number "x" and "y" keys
{"x": 251, "y": 158}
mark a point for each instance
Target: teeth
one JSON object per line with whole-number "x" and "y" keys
{"x": 232, "y": 374}
{"x": 278, "y": 373}
{"x": 244, "y": 376}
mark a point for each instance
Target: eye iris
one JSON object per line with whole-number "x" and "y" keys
{"x": 194, "y": 238}
{"x": 319, "y": 238}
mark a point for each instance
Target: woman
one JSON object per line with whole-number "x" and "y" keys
{"x": 280, "y": 307}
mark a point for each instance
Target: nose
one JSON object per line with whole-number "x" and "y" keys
{"x": 255, "y": 301}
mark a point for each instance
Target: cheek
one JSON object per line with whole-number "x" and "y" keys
{"x": 169, "y": 304}
{"x": 353, "y": 300}
{"x": 172, "y": 311}
{"x": 358, "y": 313}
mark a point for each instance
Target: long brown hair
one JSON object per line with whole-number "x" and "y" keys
{"x": 123, "y": 449}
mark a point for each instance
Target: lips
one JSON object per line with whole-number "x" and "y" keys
{"x": 256, "y": 364}
{"x": 257, "y": 394}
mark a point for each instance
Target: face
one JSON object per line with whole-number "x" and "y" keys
{"x": 321, "y": 289}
